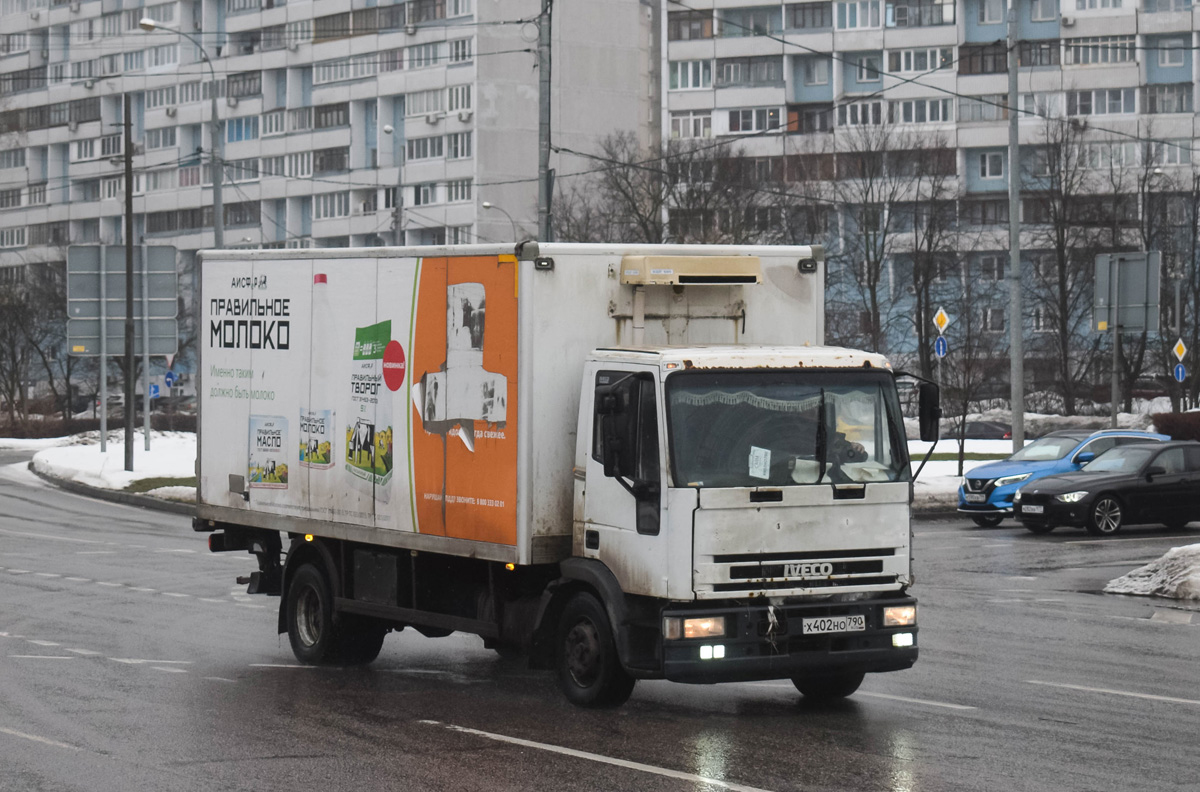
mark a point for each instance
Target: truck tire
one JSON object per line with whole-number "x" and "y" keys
{"x": 310, "y": 618}
{"x": 589, "y": 671}
{"x": 820, "y": 688}
{"x": 360, "y": 639}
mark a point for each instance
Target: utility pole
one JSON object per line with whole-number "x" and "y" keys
{"x": 130, "y": 405}
{"x": 1016, "y": 327}
{"x": 544, "y": 185}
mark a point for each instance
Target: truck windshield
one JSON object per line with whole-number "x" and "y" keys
{"x": 784, "y": 428}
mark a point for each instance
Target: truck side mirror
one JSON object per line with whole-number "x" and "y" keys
{"x": 929, "y": 411}
{"x": 612, "y": 453}
{"x": 607, "y": 403}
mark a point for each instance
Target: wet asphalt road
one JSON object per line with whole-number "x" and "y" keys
{"x": 131, "y": 660}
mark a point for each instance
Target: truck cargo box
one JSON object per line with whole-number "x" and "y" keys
{"x": 427, "y": 398}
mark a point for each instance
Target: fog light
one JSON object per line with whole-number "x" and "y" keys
{"x": 706, "y": 653}
{"x": 901, "y": 640}
{"x": 672, "y": 628}
{"x": 718, "y": 652}
{"x": 900, "y": 616}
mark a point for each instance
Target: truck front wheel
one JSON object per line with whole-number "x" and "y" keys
{"x": 589, "y": 671}
{"x": 828, "y": 687}
{"x": 310, "y": 617}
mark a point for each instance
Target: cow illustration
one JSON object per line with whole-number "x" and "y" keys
{"x": 362, "y": 441}
{"x": 268, "y": 469}
{"x": 314, "y": 447}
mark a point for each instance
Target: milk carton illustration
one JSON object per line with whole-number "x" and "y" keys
{"x": 317, "y": 429}
{"x": 368, "y": 427}
{"x": 268, "y": 467}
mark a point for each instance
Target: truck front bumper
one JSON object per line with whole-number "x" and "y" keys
{"x": 757, "y": 647}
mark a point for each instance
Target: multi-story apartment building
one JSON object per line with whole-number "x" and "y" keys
{"x": 809, "y": 88}
{"x": 335, "y": 112}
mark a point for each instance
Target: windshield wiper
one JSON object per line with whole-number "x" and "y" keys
{"x": 821, "y": 437}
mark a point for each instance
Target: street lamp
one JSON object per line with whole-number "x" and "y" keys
{"x": 218, "y": 143}
{"x": 490, "y": 205}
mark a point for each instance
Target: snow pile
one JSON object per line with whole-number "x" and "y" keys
{"x": 1175, "y": 575}
{"x": 171, "y": 455}
{"x": 33, "y": 444}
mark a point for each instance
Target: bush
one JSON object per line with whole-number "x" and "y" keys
{"x": 1180, "y": 426}
{"x": 162, "y": 422}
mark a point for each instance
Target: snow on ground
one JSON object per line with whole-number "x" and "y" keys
{"x": 33, "y": 444}
{"x": 171, "y": 455}
{"x": 1175, "y": 575}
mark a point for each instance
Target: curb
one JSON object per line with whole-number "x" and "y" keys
{"x": 127, "y": 498}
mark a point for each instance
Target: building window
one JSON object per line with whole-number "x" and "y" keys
{"x": 423, "y": 55}
{"x": 83, "y": 150}
{"x": 163, "y": 55}
{"x": 920, "y": 111}
{"x": 424, "y": 194}
{"x": 424, "y": 148}
{"x": 1170, "y": 152}
{"x": 1102, "y": 101}
{"x": 459, "y": 97}
{"x": 460, "y": 50}
{"x": 991, "y": 212}
{"x": 299, "y": 165}
{"x": 160, "y": 97}
{"x": 860, "y": 114}
{"x": 754, "y": 120}
{"x": 1098, "y": 50}
{"x": 333, "y": 115}
{"x": 327, "y": 205}
{"x": 458, "y": 145}
{"x": 134, "y": 61}
{"x": 10, "y": 199}
{"x": 993, "y": 320}
{"x": 1166, "y": 6}
{"x": 920, "y": 13}
{"x": 920, "y": 60}
{"x": 749, "y": 72}
{"x": 807, "y": 119}
{"x": 991, "y": 267}
{"x": 750, "y": 21}
{"x": 991, "y": 165}
{"x": 991, "y": 12}
{"x": 983, "y": 59}
{"x": 816, "y": 71}
{"x": 1043, "y": 10}
{"x": 160, "y": 138}
{"x": 688, "y": 75}
{"x": 691, "y": 124}
{"x": 1087, "y": 5}
{"x": 1168, "y": 98}
{"x": 423, "y": 102}
{"x": 858, "y": 15}
{"x": 868, "y": 68}
{"x": 1038, "y": 53}
{"x": 458, "y": 191}
{"x": 239, "y": 129}
{"x": 1171, "y": 53}
{"x": 12, "y": 158}
{"x": 810, "y": 16}
{"x": 273, "y": 123}
{"x": 331, "y": 160}
{"x": 11, "y": 238}
{"x": 689, "y": 25}
{"x": 244, "y": 84}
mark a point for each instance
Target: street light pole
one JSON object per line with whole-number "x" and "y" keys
{"x": 490, "y": 205}
{"x": 218, "y": 138}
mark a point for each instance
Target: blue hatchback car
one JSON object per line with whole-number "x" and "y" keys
{"x": 986, "y": 492}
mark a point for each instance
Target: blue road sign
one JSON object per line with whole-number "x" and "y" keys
{"x": 940, "y": 346}
{"x": 153, "y": 391}
{"x": 1180, "y": 372}
{"x": 169, "y": 378}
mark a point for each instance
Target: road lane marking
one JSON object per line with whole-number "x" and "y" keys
{"x": 169, "y": 669}
{"x": 1123, "y": 539}
{"x": 142, "y": 589}
{"x": 1171, "y": 617}
{"x": 84, "y": 652}
{"x": 109, "y": 584}
{"x": 141, "y": 661}
{"x": 28, "y": 535}
{"x": 1147, "y": 696}
{"x": 42, "y": 643}
{"x": 47, "y": 574}
{"x": 40, "y": 657}
{"x": 35, "y": 738}
{"x": 78, "y": 580}
{"x": 925, "y": 702}
{"x": 280, "y": 665}
{"x": 174, "y": 594}
{"x": 593, "y": 757}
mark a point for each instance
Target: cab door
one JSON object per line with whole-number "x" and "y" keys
{"x": 623, "y": 498}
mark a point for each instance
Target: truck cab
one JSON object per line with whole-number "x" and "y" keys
{"x": 752, "y": 506}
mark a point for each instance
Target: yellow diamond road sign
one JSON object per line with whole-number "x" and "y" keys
{"x": 941, "y": 319}
{"x": 1179, "y": 349}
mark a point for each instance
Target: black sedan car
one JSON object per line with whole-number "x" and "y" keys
{"x": 1126, "y": 485}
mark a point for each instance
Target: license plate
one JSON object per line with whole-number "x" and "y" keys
{"x": 1032, "y": 509}
{"x": 834, "y": 624}
{"x": 974, "y": 498}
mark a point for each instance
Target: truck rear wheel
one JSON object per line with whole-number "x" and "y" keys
{"x": 828, "y": 687}
{"x": 360, "y": 639}
{"x": 310, "y": 617}
{"x": 589, "y": 671}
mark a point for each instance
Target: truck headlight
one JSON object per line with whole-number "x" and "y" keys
{"x": 675, "y": 627}
{"x": 1071, "y": 497}
{"x": 900, "y": 616}
{"x": 1004, "y": 481}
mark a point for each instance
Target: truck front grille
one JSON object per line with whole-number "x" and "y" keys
{"x": 823, "y": 569}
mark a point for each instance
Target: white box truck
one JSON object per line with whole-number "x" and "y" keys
{"x": 624, "y": 461}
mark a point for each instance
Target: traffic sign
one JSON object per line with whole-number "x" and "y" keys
{"x": 940, "y": 346}
{"x": 1179, "y": 349}
{"x": 96, "y": 291}
{"x": 153, "y": 391}
{"x": 169, "y": 379}
{"x": 1180, "y": 372}
{"x": 941, "y": 319}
